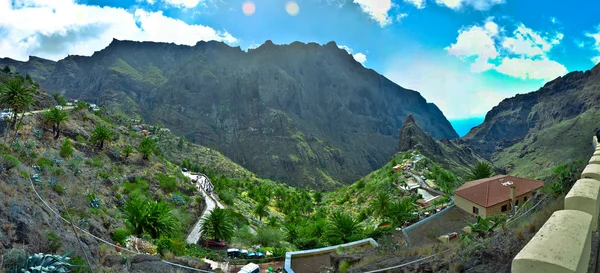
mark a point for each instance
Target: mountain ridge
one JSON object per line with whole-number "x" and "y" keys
{"x": 316, "y": 117}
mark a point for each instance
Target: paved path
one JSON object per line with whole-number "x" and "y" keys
{"x": 202, "y": 185}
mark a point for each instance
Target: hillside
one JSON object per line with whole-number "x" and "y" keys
{"x": 530, "y": 134}
{"x": 315, "y": 116}
{"x": 454, "y": 155}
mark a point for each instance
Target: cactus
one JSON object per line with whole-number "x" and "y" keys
{"x": 52, "y": 182}
{"x": 48, "y": 263}
{"x": 177, "y": 199}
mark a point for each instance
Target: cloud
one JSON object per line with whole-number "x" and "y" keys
{"x": 359, "y": 57}
{"x": 542, "y": 69}
{"x": 401, "y": 16}
{"x": 523, "y": 54}
{"x": 476, "y": 42}
{"x": 377, "y": 10}
{"x": 183, "y": 3}
{"x": 447, "y": 82}
{"x": 420, "y": 4}
{"x": 596, "y": 46}
{"x": 63, "y": 27}
{"x": 475, "y": 4}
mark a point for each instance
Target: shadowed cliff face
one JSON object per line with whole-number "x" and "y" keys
{"x": 534, "y": 132}
{"x": 306, "y": 114}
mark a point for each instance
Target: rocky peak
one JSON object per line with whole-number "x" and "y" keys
{"x": 412, "y": 137}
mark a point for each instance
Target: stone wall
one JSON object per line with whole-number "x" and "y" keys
{"x": 563, "y": 244}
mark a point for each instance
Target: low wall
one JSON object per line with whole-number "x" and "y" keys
{"x": 289, "y": 255}
{"x": 563, "y": 243}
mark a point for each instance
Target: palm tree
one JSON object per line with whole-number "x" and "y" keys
{"x": 485, "y": 226}
{"x": 400, "y": 211}
{"x": 128, "y": 150}
{"x": 380, "y": 204}
{"x": 481, "y": 170}
{"x": 56, "y": 116}
{"x": 218, "y": 225}
{"x": 17, "y": 96}
{"x": 342, "y": 227}
{"x": 150, "y": 217}
{"x": 147, "y": 147}
{"x": 101, "y": 134}
{"x": 261, "y": 210}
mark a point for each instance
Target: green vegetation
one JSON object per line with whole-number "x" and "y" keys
{"x": 101, "y": 134}
{"x": 342, "y": 228}
{"x": 218, "y": 225}
{"x": 481, "y": 170}
{"x": 150, "y": 217}
{"x": 56, "y": 117}
{"x": 66, "y": 149}
{"x": 18, "y": 96}
{"x": 43, "y": 263}
{"x": 147, "y": 147}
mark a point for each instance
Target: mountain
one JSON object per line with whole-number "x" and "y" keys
{"x": 454, "y": 155}
{"x": 305, "y": 114}
{"x": 533, "y": 133}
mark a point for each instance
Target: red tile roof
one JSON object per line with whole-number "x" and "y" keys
{"x": 488, "y": 192}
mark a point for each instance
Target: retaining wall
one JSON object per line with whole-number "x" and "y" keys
{"x": 564, "y": 242}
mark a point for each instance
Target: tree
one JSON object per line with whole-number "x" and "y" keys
{"x": 483, "y": 227}
{"x": 181, "y": 143}
{"x": 28, "y": 78}
{"x": 342, "y": 228}
{"x": 481, "y": 170}
{"x": 147, "y": 147}
{"x": 400, "y": 211}
{"x": 380, "y": 204}
{"x": 128, "y": 150}
{"x": 261, "y": 210}
{"x": 218, "y": 225}
{"x": 100, "y": 135}
{"x": 17, "y": 96}
{"x": 150, "y": 217}
{"x": 6, "y": 69}
{"x": 56, "y": 116}
{"x": 66, "y": 150}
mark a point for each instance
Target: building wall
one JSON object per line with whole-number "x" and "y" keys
{"x": 467, "y": 205}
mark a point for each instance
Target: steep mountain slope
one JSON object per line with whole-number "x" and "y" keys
{"x": 534, "y": 132}
{"x": 313, "y": 115}
{"x": 454, "y": 155}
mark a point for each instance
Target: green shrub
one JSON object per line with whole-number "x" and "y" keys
{"x": 54, "y": 240}
{"x": 344, "y": 265}
{"x": 80, "y": 139}
{"x": 45, "y": 163}
{"x": 167, "y": 182}
{"x": 9, "y": 161}
{"x": 66, "y": 150}
{"x": 120, "y": 234}
{"x": 59, "y": 189}
{"x": 150, "y": 217}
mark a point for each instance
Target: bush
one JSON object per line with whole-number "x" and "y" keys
{"x": 120, "y": 234}
{"x": 151, "y": 217}
{"x": 66, "y": 150}
{"x": 268, "y": 236}
{"x": 54, "y": 240}
{"x": 8, "y": 162}
{"x": 45, "y": 163}
{"x": 80, "y": 139}
{"x": 167, "y": 182}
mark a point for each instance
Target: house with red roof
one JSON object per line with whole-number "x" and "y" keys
{"x": 495, "y": 195}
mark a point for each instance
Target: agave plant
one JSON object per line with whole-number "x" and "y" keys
{"x": 47, "y": 263}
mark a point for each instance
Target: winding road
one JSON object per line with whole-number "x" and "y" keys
{"x": 202, "y": 184}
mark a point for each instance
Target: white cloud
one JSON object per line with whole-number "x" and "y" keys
{"x": 62, "y": 27}
{"x": 359, "y": 57}
{"x": 475, "y": 4}
{"x": 458, "y": 93}
{"x": 596, "y": 46}
{"x": 183, "y": 3}
{"x": 538, "y": 69}
{"x": 522, "y": 54}
{"x": 401, "y": 16}
{"x": 420, "y": 4}
{"x": 476, "y": 42}
{"x": 579, "y": 43}
{"x": 377, "y": 10}
{"x": 553, "y": 20}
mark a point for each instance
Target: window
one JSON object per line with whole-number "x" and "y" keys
{"x": 517, "y": 203}
{"x": 475, "y": 210}
{"x": 504, "y": 208}
{"x": 525, "y": 199}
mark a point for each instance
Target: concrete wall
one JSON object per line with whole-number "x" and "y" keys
{"x": 563, "y": 243}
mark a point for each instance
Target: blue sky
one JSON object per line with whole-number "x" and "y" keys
{"x": 463, "y": 55}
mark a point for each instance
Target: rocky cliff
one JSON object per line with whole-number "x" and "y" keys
{"x": 532, "y": 133}
{"x": 305, "y": 114}
{"x": 454, "y": 155}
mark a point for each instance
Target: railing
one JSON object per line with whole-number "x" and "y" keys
{"x": 563, "y": 243}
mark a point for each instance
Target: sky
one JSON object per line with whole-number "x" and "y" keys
{"x": 463, "y": 55}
